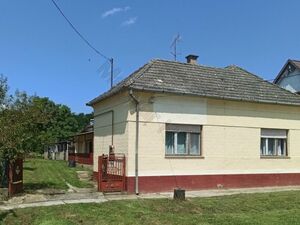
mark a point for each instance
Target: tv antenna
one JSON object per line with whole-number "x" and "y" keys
{"x": 174, "y": 52}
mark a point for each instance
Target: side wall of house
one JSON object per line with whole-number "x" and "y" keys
{"x": 115, "y": 108}
{"x": 230, "y": 144}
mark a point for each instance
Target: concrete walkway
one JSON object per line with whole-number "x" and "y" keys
{"x": 97, "y": 197}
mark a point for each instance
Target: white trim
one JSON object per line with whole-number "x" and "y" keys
{"x": 187, "y": 144}
{"x": 175, "y": 142}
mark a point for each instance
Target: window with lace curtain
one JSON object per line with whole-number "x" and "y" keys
{"x": 273, "y": 142}
{"x": 182, "y": 139}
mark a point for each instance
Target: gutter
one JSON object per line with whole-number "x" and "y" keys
{"x": 137, "y": 122}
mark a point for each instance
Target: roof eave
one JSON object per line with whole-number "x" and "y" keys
{"x": 104, "y": 96}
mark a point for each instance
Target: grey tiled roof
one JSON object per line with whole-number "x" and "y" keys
{"x": 232, "y": 83}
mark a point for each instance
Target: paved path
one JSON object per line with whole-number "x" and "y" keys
{"x": 96, "y": 197}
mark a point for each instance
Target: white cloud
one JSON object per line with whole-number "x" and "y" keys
{"x": 130, "y": 21}
{"x": 114, "y": 11}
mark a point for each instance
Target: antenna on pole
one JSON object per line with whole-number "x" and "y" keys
{"x": 174, "y": 52}
{"x": 111, "y": 60}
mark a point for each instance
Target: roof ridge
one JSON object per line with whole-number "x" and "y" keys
{"x": 141, "y": 70}
{"x": 127, "y": 81}
{"x": 189, "y": 64}
{"x": 131, "y": 76}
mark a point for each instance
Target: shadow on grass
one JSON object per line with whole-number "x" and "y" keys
{"x": 29, "y": 168}
{"x": 41, "y": 185}
{"x": 4, "y": 214}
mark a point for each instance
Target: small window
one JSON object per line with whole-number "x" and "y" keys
{"x": 291, "y": 68}
{"x": 273, "y": 142}
{"x": 182, "y": 139}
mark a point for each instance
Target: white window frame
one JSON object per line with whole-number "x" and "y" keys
{"x": 276, "y": 135}
{"x": 188, "y": 130}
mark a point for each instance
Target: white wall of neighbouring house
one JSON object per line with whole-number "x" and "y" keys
{"x": 291, "y": 81}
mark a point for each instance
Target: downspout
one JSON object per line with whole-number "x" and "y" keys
{"x": 137, "y": 122}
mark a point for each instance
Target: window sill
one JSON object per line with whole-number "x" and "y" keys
{"x": 274, "y": 157}
{"x": 184, "y": 157}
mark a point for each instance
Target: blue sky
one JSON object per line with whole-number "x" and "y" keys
{"x": 40, "y": 53}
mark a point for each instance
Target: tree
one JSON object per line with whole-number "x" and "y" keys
{"x": 29, "y": 123}
{"x": 83, "y": 119}
{"x": 3, "y": 92}
{"x": 59, "y": 124}
{"x": 16, "y": 117}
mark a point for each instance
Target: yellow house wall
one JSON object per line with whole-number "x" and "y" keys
{"x": 103, "y": 126}
{"x": 230, "y": 134}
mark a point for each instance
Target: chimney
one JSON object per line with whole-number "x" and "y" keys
{"x": 192, "y": 59}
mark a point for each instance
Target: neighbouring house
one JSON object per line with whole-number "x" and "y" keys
{"x": 57, "y": 151}
{"x": 289, "y": 76}
{"x": 184, "y": 125}
{"x": 81, "y": 150}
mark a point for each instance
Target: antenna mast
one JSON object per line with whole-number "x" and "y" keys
{"x": 111, "y": 60}
{"x": 174, "y": 46}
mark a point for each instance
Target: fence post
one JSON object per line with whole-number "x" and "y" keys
{"x": 124, "y": 173}
{"x": 100, "y": 161}
{"x": 15, "y": 177}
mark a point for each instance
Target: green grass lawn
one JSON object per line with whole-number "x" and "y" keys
{"x": 41, "y": 174}
{"x": 279, "y": 208}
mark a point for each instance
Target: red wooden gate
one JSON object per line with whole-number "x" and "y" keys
{"x": 111, "y": 172}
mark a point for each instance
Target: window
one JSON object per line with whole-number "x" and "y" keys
{"x": 273, "y": 142}
{"x": 291, "y": 68}
{"x": 182, "y": 139}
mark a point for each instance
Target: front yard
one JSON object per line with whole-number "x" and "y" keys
{"x": 50, "y": 174}
{"x": 281, "y": 208}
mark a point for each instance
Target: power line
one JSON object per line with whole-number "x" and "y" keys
{"x": 111, "y": 60}
{"x": 78, "y": 33}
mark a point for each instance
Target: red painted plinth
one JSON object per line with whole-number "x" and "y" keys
{"x": 196, "y": 182}
{"x": 151, "y": 184}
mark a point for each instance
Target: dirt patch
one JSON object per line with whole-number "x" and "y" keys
{"x": 84, "y": 175}
{"x": 27, "y": 198}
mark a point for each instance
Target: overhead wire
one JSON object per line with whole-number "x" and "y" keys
{"x": 78, "y": 33}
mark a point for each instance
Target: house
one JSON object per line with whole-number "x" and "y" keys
{"x": 57, "y": 151}
{"x": 197, "y": 127}
{"x": 81, "y": 150}
{"x": 289, "y": 76}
